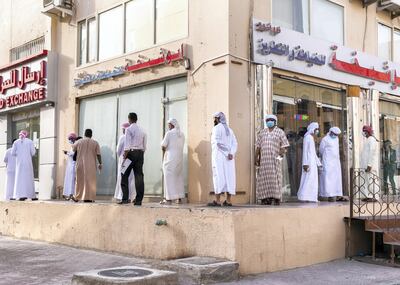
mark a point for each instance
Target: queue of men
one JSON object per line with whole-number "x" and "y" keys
{"x": 321, "y": 170}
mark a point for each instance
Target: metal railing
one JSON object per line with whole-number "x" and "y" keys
{"x": 372, "y": 198}
{"x": 27, "y": 49}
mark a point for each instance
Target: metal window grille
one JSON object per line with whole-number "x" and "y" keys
{"x": 27, "y": 49}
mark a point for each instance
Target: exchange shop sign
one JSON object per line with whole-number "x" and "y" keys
{"x": 293, "y": 51}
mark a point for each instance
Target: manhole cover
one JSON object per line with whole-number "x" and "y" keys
{"x": 125, "y": 273}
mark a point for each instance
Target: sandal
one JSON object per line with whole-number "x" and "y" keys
{"x": 226, "y": 204}
{"x": 214, "y": 204}
{"x": 178, "y": 201}
{"x": 342, "y": 199}
{"x": 165, "y": 202}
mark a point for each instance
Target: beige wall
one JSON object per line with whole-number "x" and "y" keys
{"x": 260, "y": 239}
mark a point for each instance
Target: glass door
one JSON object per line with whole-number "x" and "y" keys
{"x": 297, "y": 105}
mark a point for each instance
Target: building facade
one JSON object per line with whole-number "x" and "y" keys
{"x": 335, "y": 62}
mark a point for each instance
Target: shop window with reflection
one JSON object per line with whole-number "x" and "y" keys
{"x": 296, "y": 105}
{"x": 390, "y": 146}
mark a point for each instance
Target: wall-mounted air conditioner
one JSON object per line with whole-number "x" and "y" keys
{"x": 58, "y": 7}
{"x": 393, "y": 6}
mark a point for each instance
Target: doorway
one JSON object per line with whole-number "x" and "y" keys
{"x": 297, "y": 104}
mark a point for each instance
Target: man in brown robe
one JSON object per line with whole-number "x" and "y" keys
{"x": 271, "y": 146}
{"x": 87, "y": 151}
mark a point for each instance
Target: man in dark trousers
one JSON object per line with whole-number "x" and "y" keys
{"x": 135, "y": 146}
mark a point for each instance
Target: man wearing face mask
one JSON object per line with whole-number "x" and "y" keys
{"x": 23, "y": 149}
{"x": 308, "y": 191}
{"x": 270, "y": 148}
{"x": 368, "y": 163}
{"x": 223, "y": 150}
{"x": 69, "y": 179}
{"x": 331, "y": 176}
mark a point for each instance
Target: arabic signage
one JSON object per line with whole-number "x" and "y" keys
{"x": 24, "y": 83}
{"x": 166, "y": 57}
{"x": 290, "y": 50}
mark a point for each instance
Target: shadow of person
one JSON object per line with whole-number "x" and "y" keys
{"x": 200, "y": 168}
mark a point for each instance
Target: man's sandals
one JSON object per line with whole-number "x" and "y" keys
{"x": 216, "y": 204}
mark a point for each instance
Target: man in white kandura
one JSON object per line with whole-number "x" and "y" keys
{"x": 331, "y": 175}
{"x": 24, "y": 150}
{"x": 172, "y": 145}
{"x": 309, "y": 178}
{"x": 9, "y": 160}
{"x": 223, "y": 150}
{"x": 369, "y": 191}
{"x": 120, "y": 153}
{"x": 69, "y": 179}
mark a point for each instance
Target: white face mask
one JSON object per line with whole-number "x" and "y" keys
{"x": 316, "y": 132}
{"x": 364, "y": 134}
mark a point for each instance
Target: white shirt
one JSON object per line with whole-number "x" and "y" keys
{"x": 135, "y": 138}
{"x": 10, "y": 160}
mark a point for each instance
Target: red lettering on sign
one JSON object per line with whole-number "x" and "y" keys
{"x": 2, "y": 103}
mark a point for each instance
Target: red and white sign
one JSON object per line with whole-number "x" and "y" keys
{"x": 290, "y": 50}
{"x": 24, "y": 82}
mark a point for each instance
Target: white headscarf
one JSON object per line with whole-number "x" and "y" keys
{"x": 222, "y": 120}
{"x": 175, "y": 123}
{"x": 311, "y": 128}
{"x": 335, "y": 130}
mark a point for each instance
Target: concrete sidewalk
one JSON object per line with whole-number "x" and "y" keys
{"x": 31, "y": 263}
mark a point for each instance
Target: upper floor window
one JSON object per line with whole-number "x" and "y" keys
{"x": 133, "y": 26}
{"x": 384, "y": 42}
{"x": 87, "y": 41}
{"x": 27, "y": 49}
{"x": 326, "y": 18}
{"x": 396, "y": 46}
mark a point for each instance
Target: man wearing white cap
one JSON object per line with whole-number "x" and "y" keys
{"x": 331, "y": 175}
{"x": 223, "y": 150}
{"x": 271, "y": 146}
{"x": 309, "y": 178}
{"x": 23, "y": 149}
{"x": 69, "y": 179}
{"x": 172, "y": 145}
{"x": 120, "y": 153}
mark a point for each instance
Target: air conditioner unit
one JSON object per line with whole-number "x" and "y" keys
{"x": 58, "y": 7}
{"x": 393, "y": 6}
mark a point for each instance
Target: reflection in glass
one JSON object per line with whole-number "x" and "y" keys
{"x": 171, "y": 20}
{"x": 291, "y": 14}
{"x": 111, "y": 33}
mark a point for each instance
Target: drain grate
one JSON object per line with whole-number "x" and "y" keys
{"x": 124, "y": 273}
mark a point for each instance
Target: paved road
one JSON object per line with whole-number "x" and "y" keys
{"x": 27, "y": 262}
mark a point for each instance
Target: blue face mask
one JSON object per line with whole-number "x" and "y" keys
{"x": 332, "y": 136}
{"x": 270, "y": 124}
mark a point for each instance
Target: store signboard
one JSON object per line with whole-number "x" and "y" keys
{"x": 293, "y": 51}
{"x": 26, "y": 82}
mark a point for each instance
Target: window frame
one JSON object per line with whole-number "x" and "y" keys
{"x": 123, "y": 3}
{"x": 391, "y": 39}
{"x": 309, "y": 20}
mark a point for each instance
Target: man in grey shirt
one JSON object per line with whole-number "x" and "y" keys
{"x": 135, "y": 146}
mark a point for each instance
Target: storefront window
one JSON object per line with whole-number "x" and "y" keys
{"x": 390, "y": 146}
{"x": 296, "y": 105}
{"x": 139, "y": 25}
{"x": 327, "y": 21}
{"x": 111, "y": 33}
{"x": 171, "y": 20}
{"x": 32, "y": 125}
{"x": 384, "y": 41}
{"x": 105, "y": 114}
{"x": 291, "y": 14}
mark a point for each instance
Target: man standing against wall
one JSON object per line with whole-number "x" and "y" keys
{"x": 389, "y": 157}
{"x": 9, "y": 160}
{"x": 271, "y": 146}
{"x": 88, "y": 150}
{"x": 135, "y": 146}
{"x": 24, "y": 150}
{"x": 223, "y": 150}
